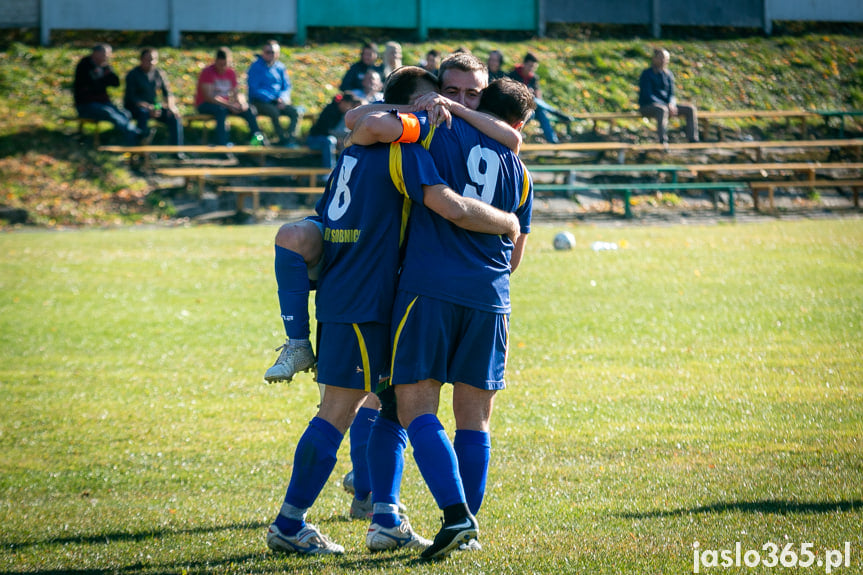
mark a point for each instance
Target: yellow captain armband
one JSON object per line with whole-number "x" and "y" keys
{"x": 410, "y": 129}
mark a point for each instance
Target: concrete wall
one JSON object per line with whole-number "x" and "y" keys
{"x": 816, "y": 10}
{"x": 735, "y": 13}
{"x": 295, "y": 16}
{"x": 19, "y": 14}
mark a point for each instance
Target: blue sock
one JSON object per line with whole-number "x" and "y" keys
{"x": 292, "y": 279}
{"x": 360, "y": 430}
{"x": 314, "y": 460}
{"x": 386, "y": 457}
{"x": 436, "y": 460}
{"x": 473, "y": 449}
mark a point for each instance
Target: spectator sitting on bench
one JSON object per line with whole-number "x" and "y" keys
{"x": 392, "y": 59}
{"x": 218, "y": 96}
{"x": 656, "y": 98}
{"x": 329, "y": 128}
{"x": 431, "y": 62}
{"x": 270, "y": 92}
{"x": 353, "y": 78}
{"x": 372, "y": 88}
{"x": 146, "y": 84}
{"x": 526, "y": 74}
{"x": 495, "y": 65}
{"x": 93, "y": 77}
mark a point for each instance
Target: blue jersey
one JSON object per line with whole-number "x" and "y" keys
{"x": 364, "y": 211}
{"x": 447, "y": 262}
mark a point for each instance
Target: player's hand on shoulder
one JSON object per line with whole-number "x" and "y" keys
{"x": 515, "y": 228}
{"x": 436, "y": 106}
{"x": 440, "y": 114}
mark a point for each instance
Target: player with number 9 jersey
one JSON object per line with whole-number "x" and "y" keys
{"x": 453, "y": 264}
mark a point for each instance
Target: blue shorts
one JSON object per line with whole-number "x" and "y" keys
{"x": 354, "y": 356}
{"x": 435, "y": 339}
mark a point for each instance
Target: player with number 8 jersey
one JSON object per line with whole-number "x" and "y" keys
{"x": 363, "y": 209}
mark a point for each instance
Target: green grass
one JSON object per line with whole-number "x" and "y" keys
{"x": 699, "y": 384}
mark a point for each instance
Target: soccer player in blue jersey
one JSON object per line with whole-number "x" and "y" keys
{"x": 298, "y": 250}
{"x": 451, "y": 309}
{"x": 362, "y": 217}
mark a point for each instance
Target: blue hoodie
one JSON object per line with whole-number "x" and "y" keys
{"x": 268, "y": 83}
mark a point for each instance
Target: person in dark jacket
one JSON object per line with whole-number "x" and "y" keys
{"x": 148, "y": 95}
{"x": 93, "y": 77}
{"x": 353, "y": 78}
{"x": 656, "y": 98}
{"x": 330, "y": 125}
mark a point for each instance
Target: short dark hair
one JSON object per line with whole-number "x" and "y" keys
{"x": 529, "y": 57}
{"x": 508, "y": 99}
{"x": 369, "y": 46}
{"x": 101, "y": 47}
{"x": 433, "y": 52}
{"x": 223, "y": 53}
{"x": 404, "y": 82}
{"x": 148, "y": 50}
{"x": 464, "y": 61}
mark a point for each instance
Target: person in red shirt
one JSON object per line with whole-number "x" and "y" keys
{"x": 219, "y": 96}
{"x": 526, "y": 74}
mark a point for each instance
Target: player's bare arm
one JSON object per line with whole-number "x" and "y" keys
{"x": 492, "y": 127}
{"x": 376, "y": 127}
{"x": 353, "y": 116}
{"x": 470, "y": 214}
{"x": 517, "y": 252}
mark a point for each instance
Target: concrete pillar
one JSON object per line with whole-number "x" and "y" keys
{"x": 422, "y": 23}
{"x": 300, "y": 36}
{"x": 44, "y": 24}
{"x": 655, "y": 18}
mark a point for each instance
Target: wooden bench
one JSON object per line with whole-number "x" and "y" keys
{"x": 759, "y": 146}
{"x": 81, "y": 122}
{"x": 841, "y": 114}
{"x": 626, "y": 191}
{"x": 808, "y": 167}
{"x": 704, "y": 117}
{"x": 622, "y": 148}
{"x": 255, "y": 192}
{"x": 203, "y": 119}
{"x": 200, "y": 174}
{"x": 261, "y": 152}
{"x": 206, "y": 119}
{"x": 619, "y": 147}
{"x": 570, "y": 171}
{"x": 757, "y": 187}
{"x": 201, "y": 149}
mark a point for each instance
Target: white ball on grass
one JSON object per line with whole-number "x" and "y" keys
{"x": 564, "y": 241}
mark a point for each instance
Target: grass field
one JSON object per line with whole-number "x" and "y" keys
{"x": 701, "y": 384}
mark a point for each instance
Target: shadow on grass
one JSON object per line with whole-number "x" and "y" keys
{"x": 117, "y": 537}
{"x": 777, "y": 507}
{"x": 57, "y": 143}
{"x": 207, "y": 565}
{"x": 255, "y": 562}
{"x": 264, "y": 562}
